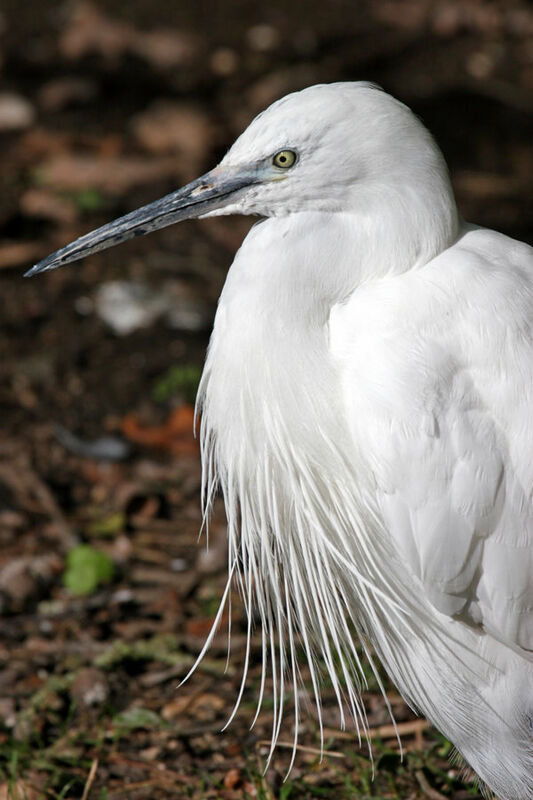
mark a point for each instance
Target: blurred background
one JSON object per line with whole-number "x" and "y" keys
{"x": 106, "y": 595}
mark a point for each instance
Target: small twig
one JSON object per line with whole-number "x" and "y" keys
{"x": 428, "y": 790}
{"x": 314, "y": 750}
{"x": 415, "y": 726}
{"x": 131, "y": 787}
{"x": 151, "y": 555}
{"x": 90, "y": 779}
{"x": 161, "y": 777}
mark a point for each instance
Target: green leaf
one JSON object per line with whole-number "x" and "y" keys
{"x": 87, "y": 567}
{"x": 107, "y": 526}
{"x": 89, "y": 199}
{"x": 135, "y": 718}
{"x": 182, "y": 379}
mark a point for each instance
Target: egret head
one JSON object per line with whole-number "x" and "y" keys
{"x": 326, "y": 148}
{"x": 332, "y": 147}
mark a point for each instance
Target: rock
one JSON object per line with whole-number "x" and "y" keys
{"x": 90, "y": 687}
{"x": 127, "y": 306}
{"x": 104, "y": 448}
{"x": 16, "y": 113}
{"x": 214, "y": 559}
{"x": 21, "y": 579}
{"x": 7, "y": 711}
{"x": 17, "y": 582}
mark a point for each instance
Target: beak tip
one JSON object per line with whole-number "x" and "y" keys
{"x": 41, "y": 266}
{"x": 33, "y": 271}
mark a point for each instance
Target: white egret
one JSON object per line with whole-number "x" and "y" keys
{"x": 367, "y": 414}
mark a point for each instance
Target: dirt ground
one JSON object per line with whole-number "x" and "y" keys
{"x": 106, "y": 594}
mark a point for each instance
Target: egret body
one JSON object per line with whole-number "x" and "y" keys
{"x": 367, "y": 414}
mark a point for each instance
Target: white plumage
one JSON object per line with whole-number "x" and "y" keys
{"x": 367, "y": 413}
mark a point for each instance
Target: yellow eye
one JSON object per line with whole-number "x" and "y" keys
{"x": 284, "y": 159}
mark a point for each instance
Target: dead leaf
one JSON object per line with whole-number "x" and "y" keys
{"x": 232, "y": 779}
{"x": 90, "y": 31}
{"x": 20, "y": 790}
{"x": 113, "y": 175}
{"x": 262, "y": 37}
{"x": 16, "y": 254}
{"x": 201, "y": 705}
{"x": 201, "y": 628}
{"x": 175, "y": 436}
{"x": 176, "y": 707}
{"x": 174, "y": 127}
{"x": 487, "y": 184}
{"x": 39, "y": 142}
{"x": 166, "y": 49}
{"x": 43, "y": 204}
{"x": 63, "y": 92}
{"x": 407, "y": 14}
{"x": 224, "y": 61}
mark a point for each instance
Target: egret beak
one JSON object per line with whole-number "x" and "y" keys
{"x": 203, "y": 195}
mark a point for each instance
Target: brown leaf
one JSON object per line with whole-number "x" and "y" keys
{"x": 174, "y": 127}
{"x": 90, "y": 31}
{"x": 20, "y": 790}
{"x": 409, "y": 14}
{"x": 63, "y": 92}
{"x": 16, "y": 254}
{"x": 113, "y": 175}
{"x": 175, "y": 436}
{"x": 487, "y": 184}
{"x": 43, "y": 204}
{"x": 202, "y": 627}
{"x": 176, "y": 707}
{"x": 232, "y": 779}
{"x": 39, "y": 142}
{"x": 166, "y": 49}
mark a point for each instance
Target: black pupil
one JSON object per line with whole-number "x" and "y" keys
{"x": 283, "y": 159}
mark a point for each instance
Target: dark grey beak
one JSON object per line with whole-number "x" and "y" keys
{"x": 209, "y": 192}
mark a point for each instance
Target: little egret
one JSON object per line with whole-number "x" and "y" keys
{"x": 366, "y": 412}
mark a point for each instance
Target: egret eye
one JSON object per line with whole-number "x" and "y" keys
{"x": 284, "y": 159}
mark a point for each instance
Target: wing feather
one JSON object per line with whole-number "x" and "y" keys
{"x": 437, "y": 375}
